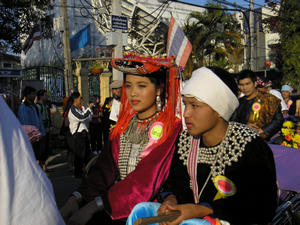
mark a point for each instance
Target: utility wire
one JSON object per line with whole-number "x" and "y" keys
{"x": 163, "y": 9}
{"x": 56, "y": 52}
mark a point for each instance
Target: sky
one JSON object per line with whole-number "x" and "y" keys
{"x": 243, "y": 3}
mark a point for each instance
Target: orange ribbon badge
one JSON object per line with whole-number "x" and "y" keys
{"x": 224, "y": 186}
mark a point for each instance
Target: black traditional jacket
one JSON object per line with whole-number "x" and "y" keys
{"x": 254, "y": 176}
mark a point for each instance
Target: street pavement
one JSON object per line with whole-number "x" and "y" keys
{"x": 64, "y": 183}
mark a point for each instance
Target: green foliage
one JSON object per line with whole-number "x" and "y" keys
{"x": 214, "y": 37}
{"x": 96, "y": 65}
{"x": 17, "y": 19}
{"x": 287, "y": 54}
{"x": 290, "y": 40}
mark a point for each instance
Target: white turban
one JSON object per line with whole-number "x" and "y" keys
{"x": 207, "y": 87}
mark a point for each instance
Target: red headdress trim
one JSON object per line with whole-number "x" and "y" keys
{"x": 141, "y": 65}
{"x": 172, "y": 93}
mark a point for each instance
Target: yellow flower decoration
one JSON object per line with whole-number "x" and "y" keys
{"x": 297, "y": 138}
{"x": 285, "y": 131}
{"x": 295, "y": 145}
{"x": 288, "y": 124}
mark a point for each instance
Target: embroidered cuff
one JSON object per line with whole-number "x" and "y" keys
{"x": 78, "y": 196}
{"x": 162, "y": 196}
{"x": 99, "y": 203}
{"x": 205, "y": 204}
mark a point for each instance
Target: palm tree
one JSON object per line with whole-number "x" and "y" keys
{"x": 214, "y": 36}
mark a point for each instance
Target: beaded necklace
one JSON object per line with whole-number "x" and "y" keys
{"x": 229, "y": 150}
{"x": 133, "y": 142}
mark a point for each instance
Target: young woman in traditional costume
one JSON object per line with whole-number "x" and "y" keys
{"x": 135, "y": 162}
{"x": 221, "y": 169}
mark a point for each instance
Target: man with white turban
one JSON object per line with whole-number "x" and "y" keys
{"x": 222, "y": 172}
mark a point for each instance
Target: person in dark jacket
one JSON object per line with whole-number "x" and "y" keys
{"x": 222, "y": 172}
{"x": 260, "y": 111}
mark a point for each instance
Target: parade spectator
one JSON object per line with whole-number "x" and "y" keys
{"x": 136, "y": 160}
{"x": 69, "y": 143}
{"x": 222, "y": 172}
{"x": 286, "y": 92}
{"x": 41, "y": 100}
{"x": 96, "y": 125}
{"x": 29, "y": 114}
{"x": 264, "y": 86}
{"x": 116, "y": 87}
{"x": 107, "y": 106}
{"x": 64, "y": 101}
{"x": 26, "y": 194}
{"x": 78, "y": 120}
{"x": 260, "y": 111}
{"x": 57, "y": 122}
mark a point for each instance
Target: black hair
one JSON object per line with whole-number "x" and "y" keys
{"x": 107, "y": 100}
{"x": 247, "y": 74}
{"x": 68, "y": 105}
{"x": 95, "y": 98}
{"x": 74, "y": 95}
{"x": 28, "y": 90}
{"x": 226, "y": 77}
{"x": 40, "y": 93}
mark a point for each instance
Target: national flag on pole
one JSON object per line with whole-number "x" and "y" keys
{"x": 178, "y": 44}
{"x": 35, "y": 35}
{"x": 81, "y": 39}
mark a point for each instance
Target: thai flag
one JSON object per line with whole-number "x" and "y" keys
{"x": 178, "y": 44}
{"x": 34, "y": 35}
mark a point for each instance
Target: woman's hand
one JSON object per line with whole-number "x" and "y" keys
{"x": 188, "y": 211}
{"x": 83, "y": 215}
{"x": 69, "y": 208}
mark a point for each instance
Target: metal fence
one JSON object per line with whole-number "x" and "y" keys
{"x": 53, "y": 78}
{"x": 94, "y": 86}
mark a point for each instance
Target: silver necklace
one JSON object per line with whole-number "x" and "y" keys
{"x": 218, "y": 157}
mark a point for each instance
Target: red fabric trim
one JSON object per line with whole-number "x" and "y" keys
{"x": 144, "y": 182}
{"x": 192, "y": 166}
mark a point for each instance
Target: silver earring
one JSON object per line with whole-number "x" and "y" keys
{"x": 158, "y": 103}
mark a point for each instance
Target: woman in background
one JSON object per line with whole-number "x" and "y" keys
{"x": 106, "y": 122}
{"x": 78, "y": 119}
{"x": 69, "y": 139}
{"x": 96, "y": 125}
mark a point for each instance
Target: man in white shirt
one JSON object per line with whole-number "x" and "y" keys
{"x": 116, "y": 87}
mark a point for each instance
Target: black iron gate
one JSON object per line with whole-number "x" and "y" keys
{"x": 53, "y": 78}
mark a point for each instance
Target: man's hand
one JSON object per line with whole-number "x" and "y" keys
{"x": 188, "y": 211}
{"x": 69, "y": 208}
{"x": 91, "y": 105}
{"x": 83, "y": 215}
{"x": 260, "y": 131}
{"x": 170, "y": 200}
{"x": 257, "y": 128}
{"x": 254, "y": 126}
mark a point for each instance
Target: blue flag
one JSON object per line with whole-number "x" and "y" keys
{"x": 81, "y": 39}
